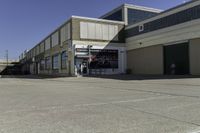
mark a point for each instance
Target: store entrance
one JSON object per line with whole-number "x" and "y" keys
{"x": 176, "y": 59}
{"x": 96, "y": 61}
{"x": 82, "y": 66}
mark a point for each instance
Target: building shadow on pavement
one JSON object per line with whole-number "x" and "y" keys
{"x": 33, "y": 76}
{"x": 123, "y": 77}
{"x": 143, "y": 77}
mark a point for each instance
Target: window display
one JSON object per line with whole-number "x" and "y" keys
{"x": 106, "y": 59}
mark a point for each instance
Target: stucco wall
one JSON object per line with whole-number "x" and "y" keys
{"x": 172, "y": 34}
{"x": 76, "y": 29}
{"x": 147, "y": 60}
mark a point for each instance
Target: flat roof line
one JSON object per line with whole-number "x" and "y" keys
{"x": 143, "y": 8}
{"x": 181, "y": 5}
{"x": 46, "y": 37}
{"x": 78, "y": 17}
{"x": 97, "y": 19}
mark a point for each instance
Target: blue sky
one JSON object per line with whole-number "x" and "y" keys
{"x": 24, "y": 23}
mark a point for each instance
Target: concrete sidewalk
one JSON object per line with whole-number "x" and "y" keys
{"x": 99, "y": 105}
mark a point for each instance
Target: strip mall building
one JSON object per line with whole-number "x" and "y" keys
{"x": 131, "y": 38}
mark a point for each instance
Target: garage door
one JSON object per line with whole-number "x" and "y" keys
{"x": 176, "y": 59}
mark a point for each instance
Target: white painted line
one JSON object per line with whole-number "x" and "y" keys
{"x": 126, "y": 101}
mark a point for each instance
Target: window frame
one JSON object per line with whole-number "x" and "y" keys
{"x": 66, "y": 58}
{"x": 55, "y": 67}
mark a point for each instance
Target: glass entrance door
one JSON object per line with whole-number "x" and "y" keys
{"x": 82, "y": 66}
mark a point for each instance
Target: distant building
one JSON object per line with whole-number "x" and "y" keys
{"x": 130, "y": 38}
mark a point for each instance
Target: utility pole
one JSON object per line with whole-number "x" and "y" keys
{"x": 7, "y": 58}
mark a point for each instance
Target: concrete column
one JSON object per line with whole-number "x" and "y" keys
{"x": 71, "y": 55}
{"x": 194, "y": 48}
{"x": 125, "y": 15}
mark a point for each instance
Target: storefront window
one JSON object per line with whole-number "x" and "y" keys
{"x": 47, "y": 63}
{"x": 55, "y": 64}
{"x": 64, "y": 60}
{"x": 104, "y": 59}
{"x": 42, "y": 65}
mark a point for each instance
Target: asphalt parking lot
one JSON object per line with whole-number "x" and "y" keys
{"x": 99, "y": 105}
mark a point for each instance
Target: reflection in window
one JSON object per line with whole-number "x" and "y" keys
{"x": 55, "y": 64}
{"x": 64, "y": 60}
{"x": 104, "y": 59}
{"x": 135, "y": 16}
